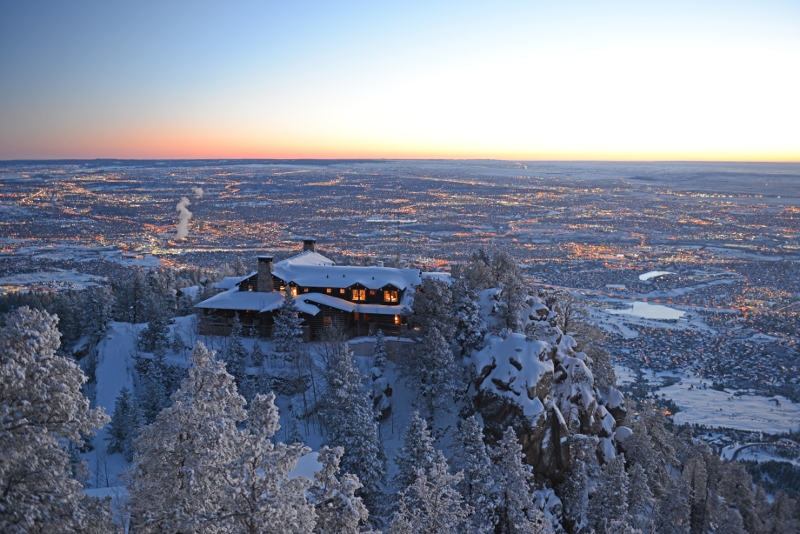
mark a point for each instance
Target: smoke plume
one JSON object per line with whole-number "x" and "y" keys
{"x": 198, "y": 191}
{"x": 183, "y": 218}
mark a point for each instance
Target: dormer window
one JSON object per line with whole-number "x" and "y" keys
{"x": 359, "y": 294}
{"x": 390, "y": 296}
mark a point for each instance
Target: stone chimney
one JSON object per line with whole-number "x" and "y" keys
{"x": 264, "y": 274}
{"x": 310, "y": 244}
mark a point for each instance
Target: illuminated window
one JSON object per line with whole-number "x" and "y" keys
{"x": 328, "y": 290}
{"x": 326, "y": 320}
{"x": 397, "y": 319}
{"x": 294, "y": 291}
{"x": 341, "y": 291}
{"x": 372, "y": 292}
{"x": 283, "y": 288}
{"x": 359, "y": 294}
{"x": 355, "y": 316}
{"x": 390, "y": 296}
{"x": 305, "y": 290}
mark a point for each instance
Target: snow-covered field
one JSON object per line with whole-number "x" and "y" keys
{"x": 55, "y": 280}
{"x": 699, "y": 404}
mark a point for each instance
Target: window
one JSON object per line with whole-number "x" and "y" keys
{"x": 390, "y": 296}
{"x": 372, "y": 292}
{"x": 359, "y": 294}
{"x": 355, "y": 316}
{"x": 328, "y": 290}
{"x": 305, "y": 290}
{"x": 294, "y": 291}
{"x": 283, "y": 288}
{"x": 398, "y": 319}
{"x": 341, "y": 291}
{"x": 326, "y": 320}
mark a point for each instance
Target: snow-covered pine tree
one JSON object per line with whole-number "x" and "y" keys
{"x": 180, "y": 478}
{"x": 125, "y": 424}
{"x": 513, "y": 301}
{"x": 431, "y": 504}
{"x": 42, "y": 407}
{"x": 517, "y": 512}
{"x": 379, "y": 352}
{"x": 338, "y": 509}
{"x": 609, "y": 502}
{"x": 346, "y": 412}
{"x": 155, "y": 392}
{"x": 155, "y": 335}
{"x": 287, "y": 332}
{"x": 97, "y": 308}
{"x": 433, "y": 370}
{"x": 641, "y": 504}
{"x": 416, "y": 453}
{"x": 471, "y": 457}
{"x": 469, "y": 324}
{"x": 234, "y": 355}
{"x": 239, "y": 268}
{"x": 262, "y": 497}
{"x": 432, "y": 308}
{"x": 257, "y": 355}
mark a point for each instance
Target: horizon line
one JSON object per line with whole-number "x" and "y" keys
{"x": 385, "y": 159}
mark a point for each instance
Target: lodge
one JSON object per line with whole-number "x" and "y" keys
{"x": 359, "y": 300}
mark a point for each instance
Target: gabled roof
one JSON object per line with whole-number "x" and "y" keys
{"x": 233, "y": 299}
{"x": 230, "y": 281}
{"x": 346, "y": 276}
{"x": 305, "y": 258}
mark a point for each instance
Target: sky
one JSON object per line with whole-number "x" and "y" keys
{"x": 569, "y": 80}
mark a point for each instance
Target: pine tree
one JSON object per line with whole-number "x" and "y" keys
{"x": 574, "y": 492}
{"x": 432, "y": 308}
{"x": 347, "y": 414}
{"x": 155, "y": 335}
{"x": 262, "y": 497}
{"x": 338, "y": 510}
{"x": 609, "y": 502}
{"x": 42, "y": 408}
{"x": 181, "y": 472}
{"x": 97, "y": 309}
{"x": 641, "y": 504}
{"x": 287, "y": 332}
{"x": 416, "y": 453}
{"x": 379, "y": 352}
{"x": 125, "y": 424}
{"x": 257, "y": 356}
{"x": 517, "y": 511}
{"x": 432, "y": 368}
{"x": 513, "y": 301}
{"x": 469, "y": 324}
{"x": 234, "y": 355}
{"x": 470, "y": 456}
{"x": 431, "y": 504}
{"x": 155, "y": 387}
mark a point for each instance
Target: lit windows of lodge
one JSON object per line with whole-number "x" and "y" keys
{"x": 360, "y": 294}
{"x": 397, "y": 319}
{"x": 391, "y": 296}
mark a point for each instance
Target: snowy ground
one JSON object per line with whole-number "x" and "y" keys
{"x": 699, "y": 404}
{"x": 116, "y": 367}
{"x": 56, "y": 280}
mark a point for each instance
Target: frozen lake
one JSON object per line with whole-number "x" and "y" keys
{"x": 649, "y": 311}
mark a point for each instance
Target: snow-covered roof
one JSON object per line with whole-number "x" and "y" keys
{"x": 233, "y": 299}
{"x": 230, "y": 281}
{"x": 346, "y": 276}
{"x": 307, "y": 257}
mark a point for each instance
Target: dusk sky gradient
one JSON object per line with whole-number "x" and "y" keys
{"x": 695, "y": 80}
